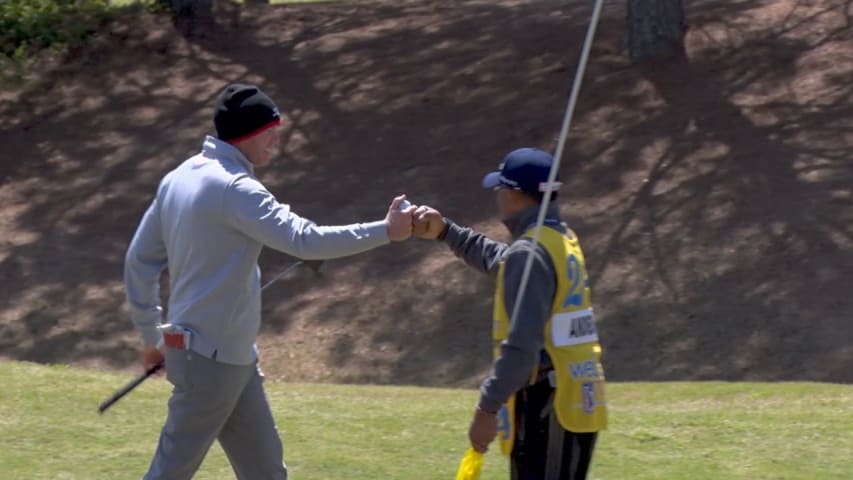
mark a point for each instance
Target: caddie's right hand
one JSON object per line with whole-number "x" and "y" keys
{"x": 152, "y": 356}
{"x": 428, "y": 223}
{"x": 399, "y": 222}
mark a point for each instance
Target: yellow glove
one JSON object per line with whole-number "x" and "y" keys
{"x": 471, "y": 465}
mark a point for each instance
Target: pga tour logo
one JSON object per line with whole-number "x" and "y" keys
{"x": 588, "y": 403}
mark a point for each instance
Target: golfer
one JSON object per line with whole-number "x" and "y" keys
{"x": 545, "y": 396}
{"x": 207, "y": 224}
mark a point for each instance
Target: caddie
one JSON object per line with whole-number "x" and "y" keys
{"x": 545, "y": 396}
{"x": 208, "y": 223}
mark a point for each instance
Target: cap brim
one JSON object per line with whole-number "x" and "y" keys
{"x": 492, "y": 180}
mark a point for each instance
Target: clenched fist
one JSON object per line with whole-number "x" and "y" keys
{"x": 399, "y": 221}
{"x": 428, "y": 222}
{"x": 152, "y": 356}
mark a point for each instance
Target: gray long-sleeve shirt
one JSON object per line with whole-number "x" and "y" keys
{"x": 207, "y": 224}
{"x": 522, "y": 350}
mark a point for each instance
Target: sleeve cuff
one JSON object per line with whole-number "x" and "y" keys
{"x": 450, "y": 233}
{"x": 488, "y": 401}
{"x": 489, "y": 406}
{"x": 377, "y": 230}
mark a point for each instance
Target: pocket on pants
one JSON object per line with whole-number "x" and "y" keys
{"x": 178, "y": 364}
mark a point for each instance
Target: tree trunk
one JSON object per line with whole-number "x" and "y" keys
{"x": 192, "y": 8}
{"x": 656, "y": 30}
{"x": 193, "y": 17}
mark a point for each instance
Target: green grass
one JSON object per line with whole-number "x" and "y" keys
{"x": 51, "y": 430}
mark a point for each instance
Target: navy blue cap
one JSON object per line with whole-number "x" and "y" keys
{"x": 525, "y": 169}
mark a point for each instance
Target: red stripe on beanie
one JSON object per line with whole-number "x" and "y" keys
{"x": 259, "y": 131}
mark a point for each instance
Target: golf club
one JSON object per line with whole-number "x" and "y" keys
{"x": 127, "y": 388}
{"x": 314, "y": 265}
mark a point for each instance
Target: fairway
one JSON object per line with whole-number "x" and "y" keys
{"x": 658, "y": 430}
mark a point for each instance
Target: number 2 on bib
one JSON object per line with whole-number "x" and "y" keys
{"x": 578, "y": 279}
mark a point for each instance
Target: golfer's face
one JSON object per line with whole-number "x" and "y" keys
{"x": 267, "y": 146}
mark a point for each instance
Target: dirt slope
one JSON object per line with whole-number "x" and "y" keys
{"x": 714, "y": 199}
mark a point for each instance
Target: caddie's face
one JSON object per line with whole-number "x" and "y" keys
{"x": 505, "y": 200}
{"x": 512, "y": 201}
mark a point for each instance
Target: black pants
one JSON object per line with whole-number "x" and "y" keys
{"x": 543, "y": 450}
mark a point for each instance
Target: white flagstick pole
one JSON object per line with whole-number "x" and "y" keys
{"x": 552, "y": 176}
{"x": 283, "y": 273}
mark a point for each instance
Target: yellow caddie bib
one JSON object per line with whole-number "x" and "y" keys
{"x": 571, "y": 340}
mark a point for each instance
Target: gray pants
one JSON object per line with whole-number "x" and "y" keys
{"x": 210, "y": 401}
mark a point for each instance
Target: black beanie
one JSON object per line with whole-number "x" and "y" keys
{"x": 243, "y": 111}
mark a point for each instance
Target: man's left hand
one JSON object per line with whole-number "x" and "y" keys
{"x": 484, "y": 429}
